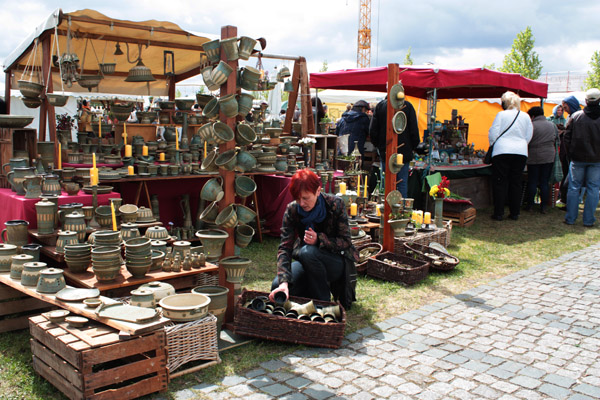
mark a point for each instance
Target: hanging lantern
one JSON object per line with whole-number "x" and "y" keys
{"x": 118, "y": 51}
{"x": 169, "y": 63}
{"x": 140, "y": 73}
{"x": 285, "y": 72}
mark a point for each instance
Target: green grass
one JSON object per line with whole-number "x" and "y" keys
{"x": 488, "y": 250}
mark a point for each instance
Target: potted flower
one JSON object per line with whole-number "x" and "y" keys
{"x": 64, "y": 126}
{"x": 398, "y": 220}
{"x": 439, "y": 192}
{"x": 307, "y": 143}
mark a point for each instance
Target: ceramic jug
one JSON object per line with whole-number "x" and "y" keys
{"x": 76, "y": 222}
{"x": 51, "y": 280}
{"x": 51, "y": 185}
{"x": 15, "y": 232}
{"x": 32, "y": 186}
{"x": 45, "y": 217}
{"x": 32, "y": 249}
{"x": 69, "y": 208}
{"x": 16, "y": 178}
{"x": 65, "y": 238}
{"x": 14, "y": 163}
{"x": 7, "y": 251}
{"x": 54, "y": 201}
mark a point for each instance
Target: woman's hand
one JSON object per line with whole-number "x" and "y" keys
{"x": 310, "y": 237}
{"x": 283, "y": 287}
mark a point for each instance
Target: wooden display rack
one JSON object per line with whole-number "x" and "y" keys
{"x": 95, "y": 363}
{"x": 16, "y": 308}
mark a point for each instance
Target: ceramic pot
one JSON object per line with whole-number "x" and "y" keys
{"x": 208, "y": 164}
{"x": 244, "y": 134}
{"x": 45, "y": 214}
{"x": 51, "y": 185}
{"x": 129, "y": 230}
{"x": 243, "y": 235}
{"x": 16, "y": 178}
{"x": 212, "y": 240}
{"x": 398, "y": 226}
{"x": 235, "y": 268}
{"x": 213, "y": 50}
{"x": 209, "y": 214}
{"x": 185, "y": 209}
{"x": 76, "y": 222}
{"x": 223, "y": 133}
{"x": 65, "y": 238}
{"x": 7, "y": 251}
{"x": 15, "y": 232}
{"x": 185, "y": 306}
{"x": 14, "y": 163}
{"x": 227, "y": 218}
{"x": 31, "y": 273}
{"x": 229, "y": 105}
{"x": 220, "y": 73}
{"x": 181, "y": 248}
{"x": 218, "y": 301}
{"x": 32, "y": 186}
{"x": 72, "y": 188}
{"x": 142, "y": 298}
{"x": 159, "y": 289}
{"x": 281, "y": 164}
{"x": 54, "y": 201}
{"x": 249, "y": 78}
{"x": 212, "y": 190}
{"x": 32, "y": 249}
{"x": 244, "y": 186}
{"x": 16, "y": 265}
{"x": 245, "y": 47}
{"x": 245, "y": 215}
{"x": 230, "y": 47}
{"x": 226, "y": 160}
{"x": 69, "y": 208}
{"x": 245, "y": 161}
{"x": 439, "y": 212}
{"x": 51, "y": 280}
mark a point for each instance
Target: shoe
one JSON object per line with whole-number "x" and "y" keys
{"x": 588, "y": 226}
{"x": 566, "y": 223}
{"x": 497, "y": 217}
{"x": 513, "y": 217}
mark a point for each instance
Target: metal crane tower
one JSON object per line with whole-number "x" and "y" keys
{"x": 363, "y": 56}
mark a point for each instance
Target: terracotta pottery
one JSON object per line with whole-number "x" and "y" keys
{"x": 51, "y": 280}
{"x": 212, "y": 240}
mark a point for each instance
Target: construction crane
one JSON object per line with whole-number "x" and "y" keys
{"x": 363, "y": 56}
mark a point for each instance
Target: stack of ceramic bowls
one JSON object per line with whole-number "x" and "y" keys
{"x": 107, "y": 239}
{"x": 138, "y": 256}
{"x": 106, "y": 262}
{"x": 78, "y": 257}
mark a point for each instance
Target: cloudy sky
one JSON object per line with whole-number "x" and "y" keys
{"x": 458, "y": 34}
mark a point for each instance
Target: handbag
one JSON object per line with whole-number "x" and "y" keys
{"x": 488, "y": 156}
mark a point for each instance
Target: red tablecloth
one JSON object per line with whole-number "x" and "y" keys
{"x": 13, "y": 206}
{"x": 98, "y": 165}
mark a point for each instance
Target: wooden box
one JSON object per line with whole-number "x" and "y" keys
{"x": 93, "y": 362}
{"x": 465, "y": 217}
{"x": 16, "y": 308}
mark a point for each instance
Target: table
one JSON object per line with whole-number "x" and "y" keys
{"x": 13, "y": 206}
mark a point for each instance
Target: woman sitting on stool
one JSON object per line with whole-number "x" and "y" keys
{"x": 316, "y": 256}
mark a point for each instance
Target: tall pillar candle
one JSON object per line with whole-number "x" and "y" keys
{"x": 145, "y": 151}
{"x": 128, "y": 150}
{"x": 59, "y": 156}
{"x": 343, "y": 187}
{"x": 353, "y": 209}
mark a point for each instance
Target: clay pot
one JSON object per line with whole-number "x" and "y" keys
{"x": 212, "y": 240}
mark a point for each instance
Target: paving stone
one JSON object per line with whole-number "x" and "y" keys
{"x": 298, "y": 382}
{"x": 318, "y": 392}
{"x": 363, "y": 396}
{"x": 554, "y": 391}
{"x": 273, "y": 365}
{"x": 526, "y": 382}
{"x": 240, "y": 390}
{"x": 348, "y": 390}
{"x": 559, "y": 380}
{"x": 486, "y": 391}
{"x": 294, "y": 396}
{"x": 185, "y": 394}
{"x": 205, "y": 387}
{"x": 409, "y": 388}
{"x": 588, "y": 389}
{"x": 260, "y": 381}
{"x": 276, "y": 390}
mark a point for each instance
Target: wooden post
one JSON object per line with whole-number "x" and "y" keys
{"x": 228, "y": 87}
{"x": 391, "y": 146}
{"x": 171, "y": 87}
{"x": 7, "y": 87}
{"x": 308, "y": 122}
{"x": 292, "y": 98}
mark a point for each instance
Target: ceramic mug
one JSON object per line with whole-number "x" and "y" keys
{"x": 15, "y": 232}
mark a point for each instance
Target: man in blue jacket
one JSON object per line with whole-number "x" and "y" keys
{"x": 356, "y": 124}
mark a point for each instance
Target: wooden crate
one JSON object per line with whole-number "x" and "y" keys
{"x": 465, "y": 217}
{"x": 95, "y": 363}
{"x": 16, "y": 308}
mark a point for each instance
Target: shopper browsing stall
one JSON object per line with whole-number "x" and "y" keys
{"x": 316, "y": 256}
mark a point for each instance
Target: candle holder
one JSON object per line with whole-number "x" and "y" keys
{"x": 393, "y": 166}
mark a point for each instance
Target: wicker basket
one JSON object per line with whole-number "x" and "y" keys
{"x": 206, "y": 279}
{"x": 441, "y": 236}
{"x": 252, "y": 323}
{"x": 362, "y": 267}
{"x": 421, "y": 251}
{"x": 192, "y": 341}
{"x": 416, "y": 272}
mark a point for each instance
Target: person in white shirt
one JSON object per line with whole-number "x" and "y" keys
{"x": 510, "y": 133}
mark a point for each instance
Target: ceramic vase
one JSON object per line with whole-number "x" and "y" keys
{"x": 439, "y": 212}
{"x": 7, "y": 251}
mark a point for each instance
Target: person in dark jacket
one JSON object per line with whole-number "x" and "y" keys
{"x": 570, "y": 105}
{"x": 582, "y": 143}
{"x": 356, "y": 124}
{"x": 540, "y": 159}
{"x": 316, "y": 257}
{"x": 407, "y": 141}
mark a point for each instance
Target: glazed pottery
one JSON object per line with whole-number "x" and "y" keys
{"x": 46, "y": 150}
{"x": 228, "y": 105}
{"x": 212, "y": 240}
{"x": 128, "y": 212}
{"x": 160, "y": 289}
{"x": 226, "y": 160}
{"x": 244, "y": 186}
{"x": 7, "y": 251}
{"x": 72, "y": 188}
{"x": 65, "y": 238}
{"x": 185, "y": 306}
{"x": 31, "y": 273}
{"x": 218, "y": 301}
{"x": 245, "y": 47}
{"x": 245, "y": 162}
{"x": 209, "y": 214}
{"x": 227, "y": 218}
{"x": 212, "y": 190}
{"x": 129, "y": 230}
{"x": 245, "y": 215}
{"x": 243, "y": 235}
{"x": 51, "y": 185}
{"x": 76, "y": 222}
{"x": 249, "y": 78}
{"x": 244, "y": 134}
{"x": 14, "y": 163}
{"x": 223, "y": 133}
{"x": 220, "y": 73}
{"x": 181, "y": 248}
{"x": 32, "y": 249}
{"x": 51, "y": 280}
{"x": 208, "y": 80}
{"x": 230, "y": 47}
{"x": 235, "y": 268}
{"x": 16, "y": 232}
{"x": 157, "y": 233}
{"x": 142, "y": 298}
{"x": 212, "y": 50}
{"x": 16, "y": 178}
{"x": 32, "y": 186}
{"x": 208, "y": 164}
{"x": 439, "y": 210}
{"x": 45, "y": 212}
{"x": 245, "y": 101}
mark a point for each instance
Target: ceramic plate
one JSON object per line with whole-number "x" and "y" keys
{"x": 393, "y": 197}
{"x": 76, "y": 321}
{"x": 399, "y": 122}
{"x": 437, "y": 246}
{"x": 56, "y": 315}
{"x": 128, "y": 313}
{"x": 396, "y": 102}
{"x": 76, "y": 294}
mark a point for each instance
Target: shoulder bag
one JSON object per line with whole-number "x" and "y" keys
{"x": 488, "y": 155}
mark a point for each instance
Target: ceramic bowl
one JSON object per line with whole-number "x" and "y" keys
{"x": 166, "y": 105}
{"x": 223, "y": 133}
{"x": 185, "y": 306}
{"x": 93, "y": 302}
{"x": 157, "y": 260}
{"x": 244, "y": 134}
{"x": 57, "y": 315}
{"x": 227, "y": 218}
{"x": 184, "y": 104}
{"x": 244, "y": 186}
{"x": 76, "y": 321}
{"x": 226, "y": 160}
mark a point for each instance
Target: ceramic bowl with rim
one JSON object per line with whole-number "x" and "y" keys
{"x": 57, "y": 315}
{"x": 93, "y": 302}
{"x": 185, "y": 306}
{"x": 76, "y": 321}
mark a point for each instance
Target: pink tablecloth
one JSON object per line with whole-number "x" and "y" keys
{"x": 13, "y": 206}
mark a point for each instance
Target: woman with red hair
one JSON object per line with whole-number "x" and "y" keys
{"x": 316, "y": 256}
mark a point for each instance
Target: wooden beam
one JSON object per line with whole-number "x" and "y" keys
{"x": 391, "y": 145}
{"x": 7, "y": 87}
{"x": 308, "y": 123}
{"x": 292, "y": 98}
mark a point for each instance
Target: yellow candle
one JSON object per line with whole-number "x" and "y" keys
{"x": 378, "y": 209}
{"x": 204, "y": 149}
{"x": 94, "y": 160}
{"x": 358, "y": 187}
{"x": 125, "y": 131}
{"x": 59, "y": 156}
{"x": 145, "y": 150}
{"x": 343, "y": 187}
{"x": 353, "y": 209}
{"x": 399, "y": 158}
{"x": 92, "y": 180}
{"x": 366, "y": 178}
{"x": 130, "y": 170}
{"x": 427, "y": 218}
{"x": 114, "y": 217}
{"x": 161, "y": 156}
{"x": 99, "y": 127}
{"x": 128, "y": 150}
{"x": 177, "y": 142}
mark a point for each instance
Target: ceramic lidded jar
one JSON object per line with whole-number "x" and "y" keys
{"x": 76, "y": 222}
{"x": 160, "y": 289}
{"x": 45, "y": 210}
{"x": 7, "y": 251}
{"x": 65, "y": 238}
{"x": 16, "y": 266}
{"x": 51, "y": 185}
{"x": 142, "y": 298}
{"x": 182, "y": 247}
{"x": 31, "y": 273}
{"x": 129, "y": 230}
{"x": 51, "y": 280}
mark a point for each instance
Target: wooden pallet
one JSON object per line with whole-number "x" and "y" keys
{"x": 463, "y": 218}
{"x": 94, "y": 362}
{"x": 16, "y": 308}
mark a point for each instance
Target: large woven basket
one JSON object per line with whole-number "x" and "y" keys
{"x": 441, "y": 236}
{"x": 413, "y": 272}
{"x": 255, "y": 324}
{"x": 422, "y": 252}
{"x": 376, "y": 247}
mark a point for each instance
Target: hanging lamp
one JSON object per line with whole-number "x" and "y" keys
{"x": 118, "y": 51}
{"x": 139, "y": 73}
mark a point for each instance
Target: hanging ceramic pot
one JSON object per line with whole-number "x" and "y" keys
{"x": 230, "y": 47}
{"x": 212, "y": 50}
{"x": 221, "y": 72}
{"x": 212, "y": 240}
{"x": 245, "y": 47}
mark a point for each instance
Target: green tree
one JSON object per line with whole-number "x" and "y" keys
{"x": 178, "y": 93}
{"x": 491, "y": 66}
{"x": 324, "y": 67}
{"x": 408, "y": 59}
{"x": 593, "y": 78}
{"x": 522, "y": 59}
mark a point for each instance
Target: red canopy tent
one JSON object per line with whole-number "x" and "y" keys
{"x": 418, "y": 81}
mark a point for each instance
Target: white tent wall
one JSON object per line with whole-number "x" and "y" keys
{"x": 17, "y": 107}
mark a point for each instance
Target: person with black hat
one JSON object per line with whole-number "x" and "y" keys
{"x": 356, "y": 124}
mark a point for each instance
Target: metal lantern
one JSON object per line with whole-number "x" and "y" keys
{"x": 140, "y": 73}
{"x": 169, "y": 63}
